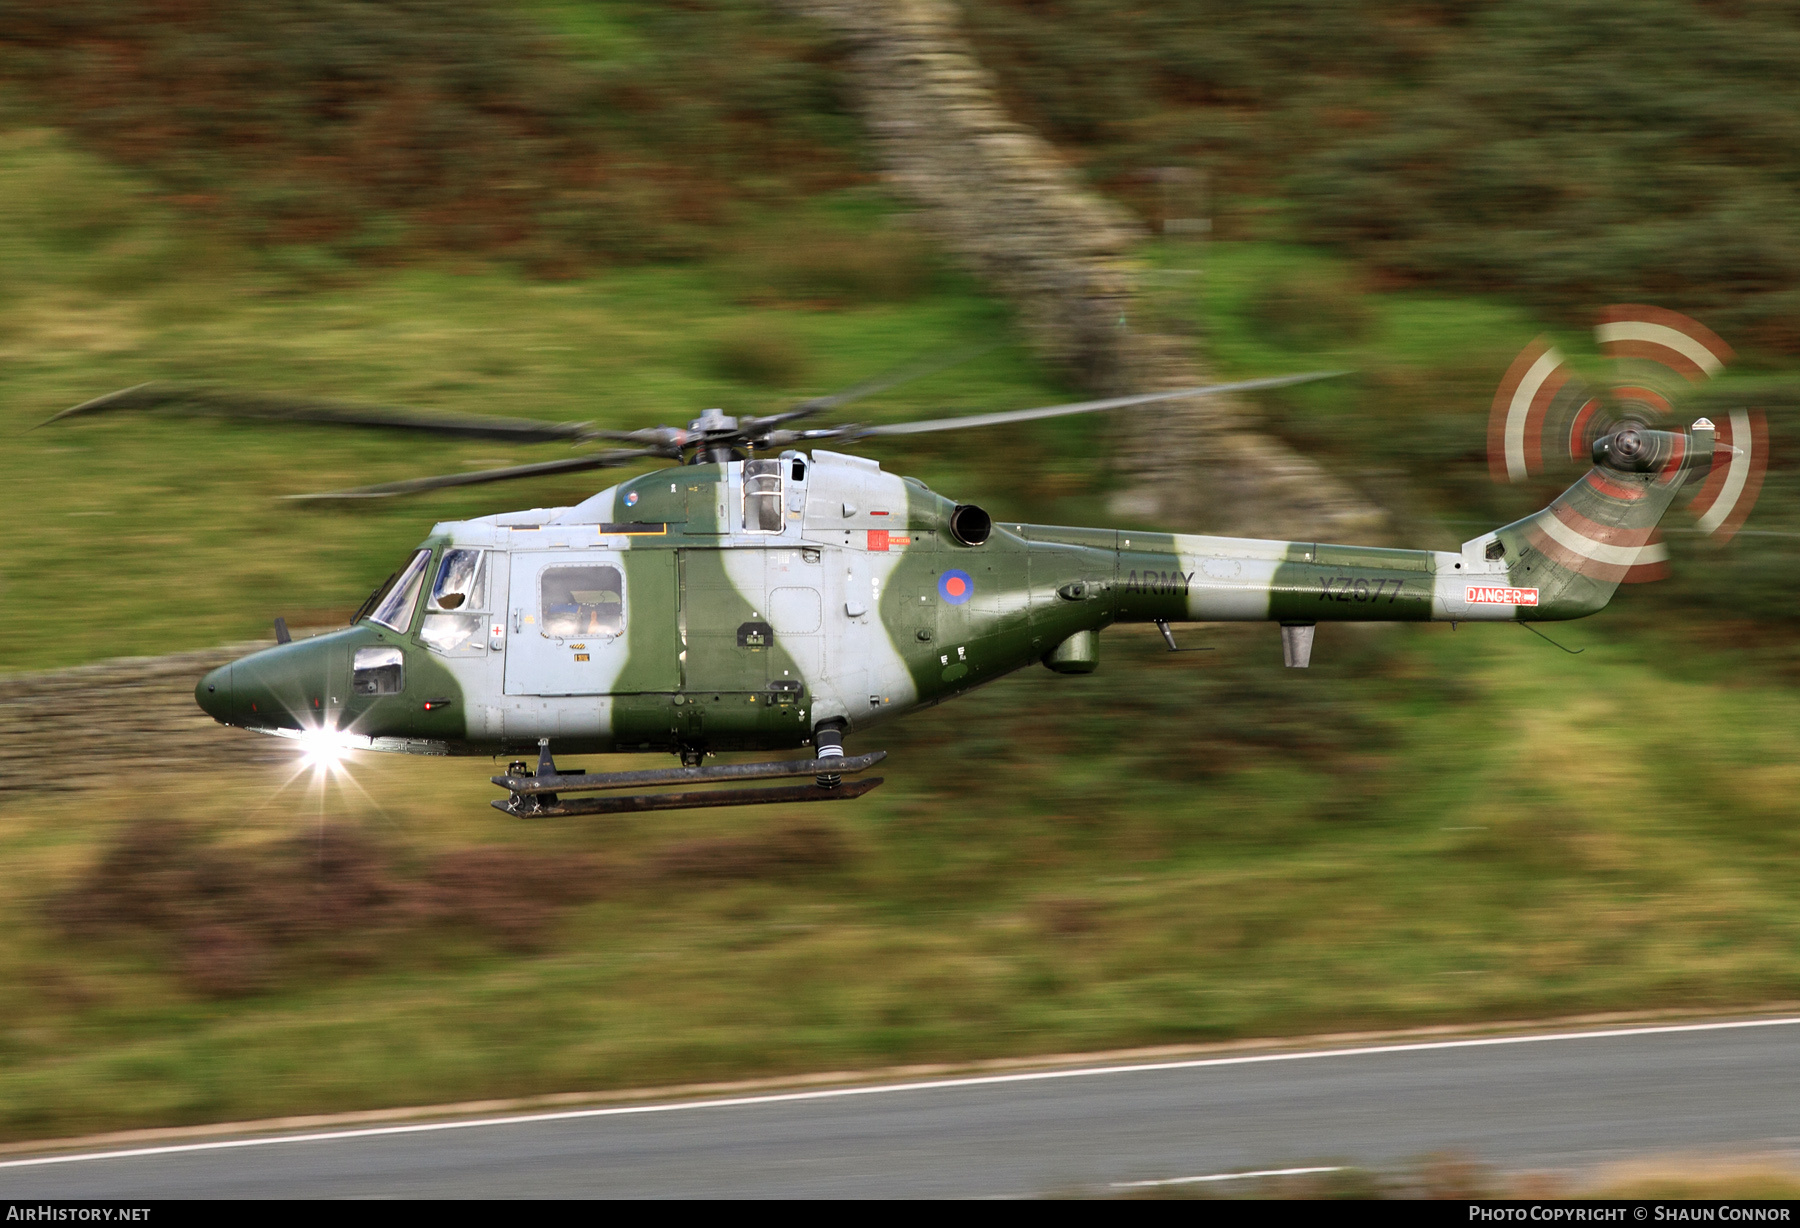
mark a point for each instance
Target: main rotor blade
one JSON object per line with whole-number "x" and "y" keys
{"x": 1076, "y": 407}
{"x": 906, "y": 373}
{"x": 413, "y": 486}
{"x": 224, "y": 403}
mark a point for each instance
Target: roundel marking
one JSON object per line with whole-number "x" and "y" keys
{"x": 631, "y": 498}
{"x": 956, "y": 586}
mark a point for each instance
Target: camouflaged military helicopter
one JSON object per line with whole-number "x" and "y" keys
{"x": 761, "y": 596}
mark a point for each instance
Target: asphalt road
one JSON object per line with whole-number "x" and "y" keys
{"x": 1556, "y": 1101}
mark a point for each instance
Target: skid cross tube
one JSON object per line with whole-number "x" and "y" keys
{"x": 631, "y": 803}
{"x": 586, "y": 782}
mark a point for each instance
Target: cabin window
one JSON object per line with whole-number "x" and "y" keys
{"x": 762, "y": 496}
{"x": 395, "y": 610}
{"x": 448, "y": 632}
{"x": 378, "y": 671}
{"x": 461, "y": 582}
{"x": 582, "y": 600}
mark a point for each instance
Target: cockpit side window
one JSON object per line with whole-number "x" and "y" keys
{"x": 461, "y": 582}
{"x": 395, "y": 610}
{"x": 762, "y": 496}
{"x": 461, "y": 585}
{"x": 581, "y": 600}
{"x": 378, "y": 671}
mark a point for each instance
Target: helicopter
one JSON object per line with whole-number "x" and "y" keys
{"x": 766, "y": 594}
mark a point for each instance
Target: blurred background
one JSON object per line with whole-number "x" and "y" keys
{"x": 626, "y": 212}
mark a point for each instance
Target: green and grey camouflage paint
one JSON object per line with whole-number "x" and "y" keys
{"x": 734, "y": 621}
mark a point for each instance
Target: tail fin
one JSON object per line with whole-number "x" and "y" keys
{"x": 1600, "y": 532}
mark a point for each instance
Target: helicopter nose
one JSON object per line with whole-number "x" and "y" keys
{"x": 213, "y": 694}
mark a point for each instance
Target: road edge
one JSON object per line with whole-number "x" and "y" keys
{"x": 874, "y": 1077}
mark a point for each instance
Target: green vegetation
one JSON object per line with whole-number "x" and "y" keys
{"x": 337, "y": 132}
{"x": 1429, "y": 826}
{"x": 169, "y": 533}
{"x": 1409, "y": 425}
{"x": 1572, "y": 154}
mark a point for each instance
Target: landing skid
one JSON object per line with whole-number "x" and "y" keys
{"x": 538, "y": 795}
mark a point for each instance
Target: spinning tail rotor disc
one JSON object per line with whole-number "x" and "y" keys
{"x": 1546, "y": 417}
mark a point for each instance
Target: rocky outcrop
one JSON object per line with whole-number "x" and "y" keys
{"x": 1002, "y": 200}
{"x": 992, "y": 189}
{"x": 74, "y": 728}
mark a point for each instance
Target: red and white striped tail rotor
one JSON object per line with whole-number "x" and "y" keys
{"x": 1545, "y": 415}
{"x": 1539, "y": 398}
{"x": 1667, "y": 338}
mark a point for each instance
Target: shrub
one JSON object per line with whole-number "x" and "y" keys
{"x": 236, "y": 918}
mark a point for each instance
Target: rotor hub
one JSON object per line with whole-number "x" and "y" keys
{"x": 714, "y": 422}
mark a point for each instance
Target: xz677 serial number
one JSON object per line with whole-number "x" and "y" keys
{"x": 1357, "y": 588}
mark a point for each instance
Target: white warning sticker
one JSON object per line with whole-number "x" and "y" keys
{"x": 1485, "y": 594}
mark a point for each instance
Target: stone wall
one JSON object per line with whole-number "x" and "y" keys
{"x": 74, "y": 728}
{"x": 1004, "y": 202}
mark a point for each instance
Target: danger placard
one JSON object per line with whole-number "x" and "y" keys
{"x": 1483, "y": 594}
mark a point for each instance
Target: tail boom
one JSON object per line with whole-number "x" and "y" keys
{"x": 1562, "y": 562}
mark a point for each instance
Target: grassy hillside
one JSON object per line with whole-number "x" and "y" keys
{"x": 1409, "y": 423}
{"x": 170, "y": 533}
{"x": 103, "y": 286}
{"x": 1427, "y": 826}
{"x": 1566, "y": 154}
{"x": 1570, "y": 154}
{"x": 334, "y": 132}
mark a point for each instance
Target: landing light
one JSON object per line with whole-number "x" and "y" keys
{"x": 326, "y": 748}
{"x": 322, "y": 747}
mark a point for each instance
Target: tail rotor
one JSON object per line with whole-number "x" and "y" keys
{"x": 1547, "y": 417}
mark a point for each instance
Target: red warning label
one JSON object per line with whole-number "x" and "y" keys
{"x": 1482, "y": 594}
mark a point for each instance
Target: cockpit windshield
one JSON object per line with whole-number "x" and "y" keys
{"x": 395, "y": 609}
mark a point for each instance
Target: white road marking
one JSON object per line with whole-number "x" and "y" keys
{"x": 1266, "y": 1172}
{"x": 883, "y": 1089}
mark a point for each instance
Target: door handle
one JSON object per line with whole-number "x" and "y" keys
{"x": 518, "y": 620}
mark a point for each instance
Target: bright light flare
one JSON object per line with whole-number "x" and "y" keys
{"x": 324, "y": 760}
{"x": 321, "y": 748}
{"x": 325, "y": 748}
